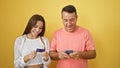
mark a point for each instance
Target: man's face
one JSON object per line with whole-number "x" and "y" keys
{"x": 69, "y": 21}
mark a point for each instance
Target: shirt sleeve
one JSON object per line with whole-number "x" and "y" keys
{"x": 89, "y": 41}
{"x": 53, "y": 43}
{"x": 47, "y": 47}
{"x": 18, "y": 59}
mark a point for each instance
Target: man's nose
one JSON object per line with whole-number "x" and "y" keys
{"x": 69, "y": 22}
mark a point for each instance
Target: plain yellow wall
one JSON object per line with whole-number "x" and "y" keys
{"x": 101, "y": 17}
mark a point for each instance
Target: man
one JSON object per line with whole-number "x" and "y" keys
{"x": 72, "y": 45}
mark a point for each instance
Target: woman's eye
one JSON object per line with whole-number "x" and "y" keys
{"x": 35, "y": 26}
{"x": 40, "y": 28}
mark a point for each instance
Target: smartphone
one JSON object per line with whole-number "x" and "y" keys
{"x": 68, "y": 51}
{"x": 40, "y": 50}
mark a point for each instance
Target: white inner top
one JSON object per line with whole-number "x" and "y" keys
{"x": 31, "y": 45}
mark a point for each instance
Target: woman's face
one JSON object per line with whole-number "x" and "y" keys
{"x": 37, "y": 29}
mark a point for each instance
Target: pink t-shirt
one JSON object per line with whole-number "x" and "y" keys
{"x": 80, "y": 40}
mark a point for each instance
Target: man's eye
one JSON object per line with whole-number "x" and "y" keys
{"x": 65, "y": 20}
{"x": 72, "y": 20}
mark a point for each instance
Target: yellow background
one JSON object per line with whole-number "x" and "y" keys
{"x": 101, "y": 17}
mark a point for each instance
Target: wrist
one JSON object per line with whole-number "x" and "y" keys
{"x": 46, "y": 59}
{"x": 25, "y": 59}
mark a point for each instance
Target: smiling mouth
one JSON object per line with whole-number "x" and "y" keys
{"x": 69, "y": 27}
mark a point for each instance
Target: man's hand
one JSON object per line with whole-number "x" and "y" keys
{"x": 75, "y": 55}
{"x": 63, "y": 55}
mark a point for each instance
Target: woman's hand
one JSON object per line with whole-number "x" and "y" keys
{"x": 46, "y": 55}
{"x": 30, "y": 56}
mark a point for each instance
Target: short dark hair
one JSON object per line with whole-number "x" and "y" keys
{"x": 69, "y": 9}
{"x": 32, "y": 22}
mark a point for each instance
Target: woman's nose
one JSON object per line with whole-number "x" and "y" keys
{"x": 37, "y": 29}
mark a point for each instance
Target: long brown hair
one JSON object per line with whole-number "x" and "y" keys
{"x": 32, "y": 22}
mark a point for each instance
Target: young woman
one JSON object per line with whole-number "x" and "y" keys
{"x": 31, "y": 50}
